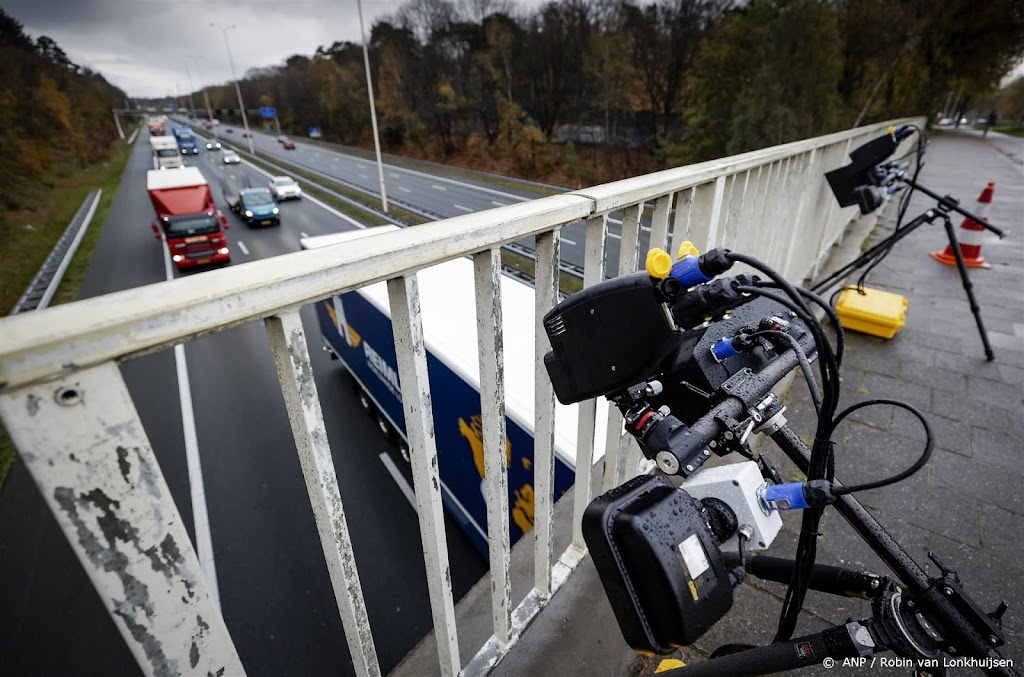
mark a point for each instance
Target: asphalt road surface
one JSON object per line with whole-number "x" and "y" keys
{"x": 274, "y": 589}
{"x": 440, "y": 193}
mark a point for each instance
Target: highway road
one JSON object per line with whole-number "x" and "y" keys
{"x": 442, "y": 193}
{"x": 273, "y": 583}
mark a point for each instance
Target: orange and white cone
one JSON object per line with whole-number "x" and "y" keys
{"x": 971, "y": 235}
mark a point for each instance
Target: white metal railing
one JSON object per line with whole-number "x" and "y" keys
{"x": 65, "y": 403}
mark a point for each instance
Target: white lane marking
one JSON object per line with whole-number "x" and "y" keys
{"x": 611, "y": 220}
{"x": 393, "y": 175}
{"x": 200, "y": 514}
{"x": 399, "y": 479}
{"x": 437, "y": 187}
{"x": 303, "y": 235}
{"x": 360, "y": 166}
{"x": 363, "y": 176}
{"x": 465, "y": 209}
{"x": 567, "y": 241}
{"x": 404, "y": 189}
{"x": 615, "y": 235}
{"x": 517, "y": 198}
{"x": 241, "y": 245}
{"x": 312, "y": 199}
{"x": 499, "y": 204}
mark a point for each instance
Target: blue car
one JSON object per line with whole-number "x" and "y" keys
{"x": 257, "y": 207}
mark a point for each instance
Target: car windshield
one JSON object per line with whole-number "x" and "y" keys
{"x": 191, "y": 225}
{"x": 167, "y": 152}
{"x": 230, "y": 154}
{"x": 283, "y": 181}
{"x": 256, "y": 199}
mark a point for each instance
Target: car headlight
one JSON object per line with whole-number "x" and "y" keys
{"x": 224, "y": 250}
{"x": 177, "y": 258}
{"x": 248, "y": 213}
{"x": 276, "y": 210}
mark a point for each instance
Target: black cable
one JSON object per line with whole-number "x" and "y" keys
{"x": 903, "y": 205}
{"x": 830, "y": 312}
{"x": 821, "y": 462}
{"x": 805, "y": 364}
{"x": 920, "y": 463}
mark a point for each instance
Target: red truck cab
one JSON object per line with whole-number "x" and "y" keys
{"x": 187, "y": 217}
{"x": 157, "y": 129}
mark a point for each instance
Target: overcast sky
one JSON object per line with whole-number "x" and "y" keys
{"x": 142, "y": 46}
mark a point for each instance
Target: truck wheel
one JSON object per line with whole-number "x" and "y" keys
{"x": 385, "y": 426}
{"x": 364, "y": 399}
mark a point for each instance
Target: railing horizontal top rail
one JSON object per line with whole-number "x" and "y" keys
{"x": 136, "y": 321}
{"x": 618, "y": 194}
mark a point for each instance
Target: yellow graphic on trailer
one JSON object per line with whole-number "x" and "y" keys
{"x": 522, "y": 508}
{"x": 337, "y": 313}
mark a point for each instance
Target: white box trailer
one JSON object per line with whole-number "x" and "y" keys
{"x": 356, "y": 328}
{"x": 166, "y": 154}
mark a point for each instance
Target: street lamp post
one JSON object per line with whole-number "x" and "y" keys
{"x": 206, "y": 95}
{"x": 373, "y": 112}
{"x": 238, "y": 90}
{"x": 191, "y": 104}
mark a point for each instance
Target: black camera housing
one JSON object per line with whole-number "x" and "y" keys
{"x": 659, "y": 563}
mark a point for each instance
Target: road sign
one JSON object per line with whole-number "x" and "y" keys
{"x": 172, "y": 106}
{"x": 268, "y": 112}
{"x": 314, "y": 132}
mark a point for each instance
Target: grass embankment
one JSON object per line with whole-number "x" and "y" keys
{"x": 34, "y": 220}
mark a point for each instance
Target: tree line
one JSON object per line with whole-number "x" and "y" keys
{"x": 672, "y": 81}
{"x": 50, "y": 109}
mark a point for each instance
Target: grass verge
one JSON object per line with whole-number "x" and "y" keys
{"x": 28, "y": 233}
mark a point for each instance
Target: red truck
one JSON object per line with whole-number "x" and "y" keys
{"x": 156, "y": 129}
{"x": 187, "y": 217}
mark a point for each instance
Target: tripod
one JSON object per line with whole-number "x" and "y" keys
{"x": 944, "y": 205}
{"x": 917, "y": 616}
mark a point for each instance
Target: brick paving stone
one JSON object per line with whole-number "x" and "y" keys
{"x": 988, "y": 483}
{"x": 1001, "y": 450}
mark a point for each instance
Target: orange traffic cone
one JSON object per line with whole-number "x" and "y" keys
{"x": 970, "y": 236}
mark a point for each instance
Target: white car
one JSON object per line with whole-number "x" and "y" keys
{"x": 213, "y": 144}
{"x": 230, "y": 157}
{"x": 284, "y": 188}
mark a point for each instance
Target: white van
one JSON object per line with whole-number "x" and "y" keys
{"x": 165, "y": 152}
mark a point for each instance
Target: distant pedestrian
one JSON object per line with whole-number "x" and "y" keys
{"x": 990, "y": 122}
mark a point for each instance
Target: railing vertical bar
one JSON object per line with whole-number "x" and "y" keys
{"x": 762, "y": 229}
{"x": 714, "y": 216}
{"x": 754, "y": 186}
{"x": 741, "y": 208}
{"x": 81, "y": 440}
{"x": 295, "y": 373}
{"x": 628, "y": 250}
{"x": 613, "y": 434}
{"x": 807, "y": 164}
{"x": 659, "y": 221}
{"x": 487, "y": 279}
{"x": 683, "y": 219}
{"x": 630, "y": 243}
{"x": 410, "y": 351}
{"x": 593, "y": 272}
{"x": 780, "y": 211}
{"x": 546, "y": 284}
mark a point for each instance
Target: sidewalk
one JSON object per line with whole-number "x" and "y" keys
{"x": 967, "y": 503}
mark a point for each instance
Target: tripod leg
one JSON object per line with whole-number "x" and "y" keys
{"x": 968, "y": 287}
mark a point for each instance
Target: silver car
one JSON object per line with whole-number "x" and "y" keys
{"x": 213, "y": 144}
{"x": 285, "y": 188}
{"x": 230, "y": 157}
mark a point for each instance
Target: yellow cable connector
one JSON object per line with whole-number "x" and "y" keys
{"x": 892, "y": 130}
{"x": 658, "y": 264}
{"x": 687, "y": 247}
{"x": 669, "y": 664}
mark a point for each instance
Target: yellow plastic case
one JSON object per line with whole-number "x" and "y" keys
{"x": 876, "y": 312}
